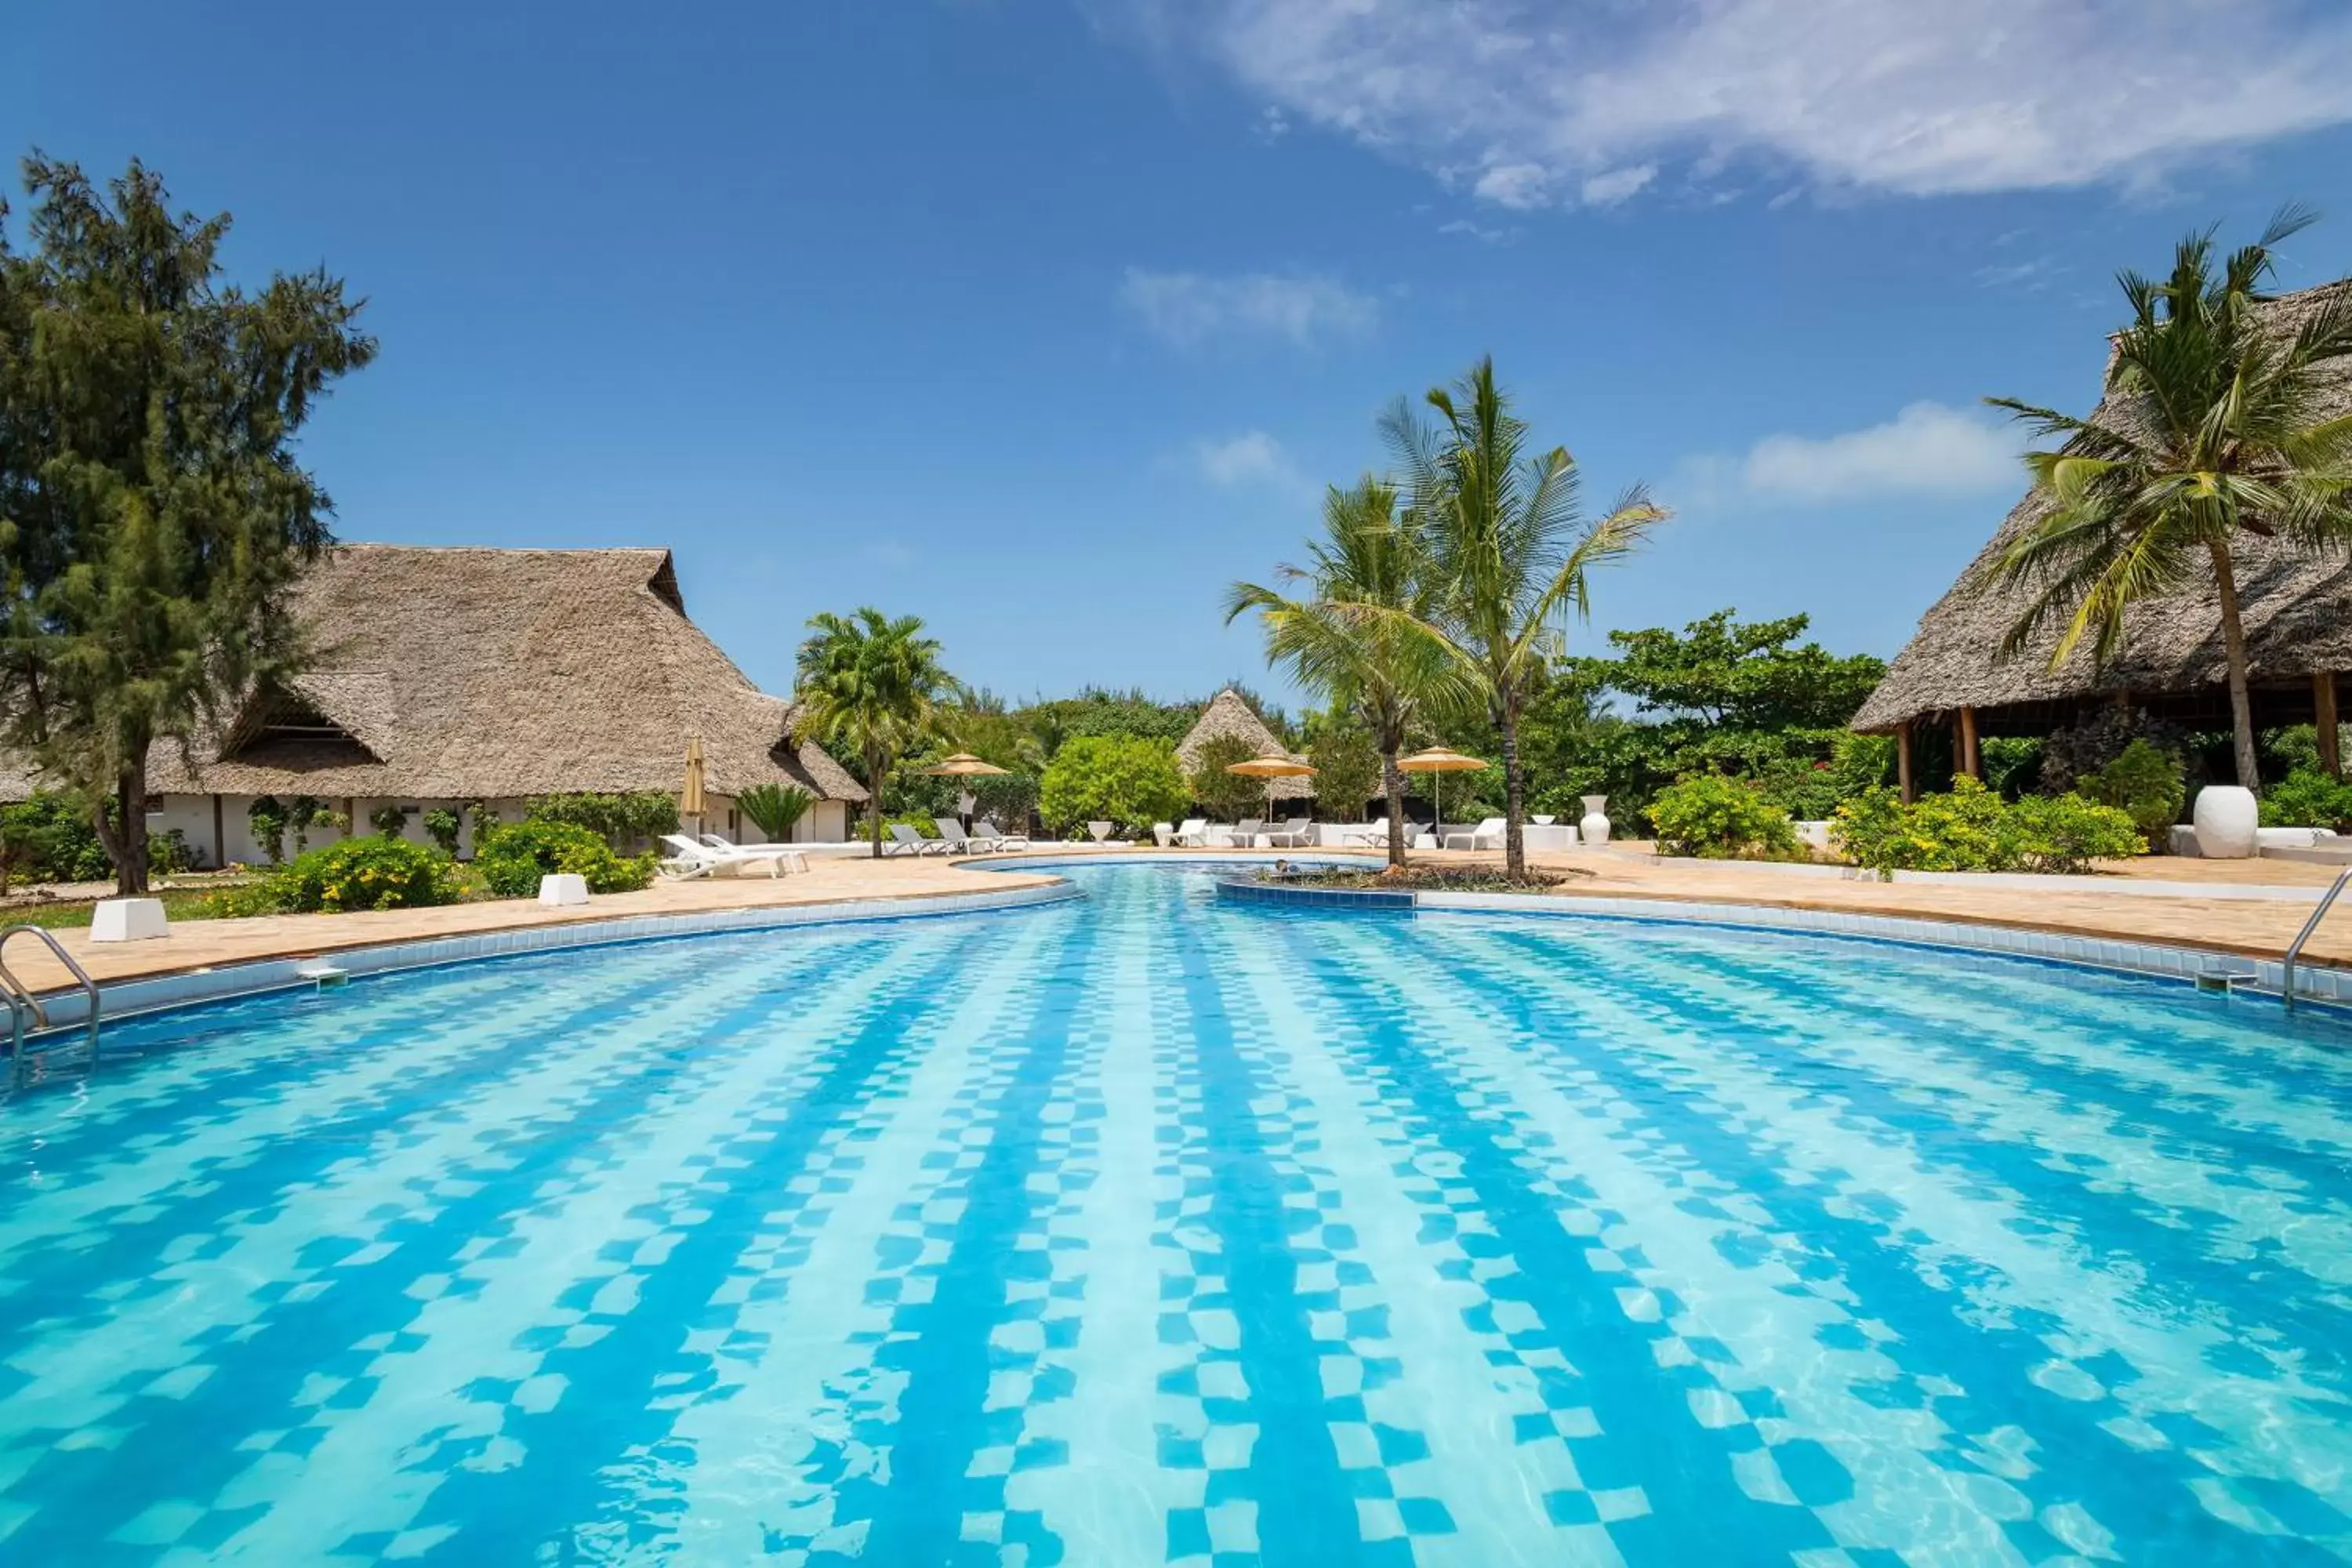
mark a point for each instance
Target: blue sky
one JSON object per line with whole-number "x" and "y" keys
{"x": 1046, "y": 320}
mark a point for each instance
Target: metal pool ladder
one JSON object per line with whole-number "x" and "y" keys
{"x": 2293, "y": 948}
{"x": 21, "y": 1002}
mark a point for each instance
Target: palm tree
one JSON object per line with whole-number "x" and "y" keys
{"x": 1357, "y": 632}
{"x": 870, "y": 686}
{"x": 1511, "y": 548}
{"x": 2214, "y": 433}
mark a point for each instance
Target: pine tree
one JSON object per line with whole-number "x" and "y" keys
{"x": 153, "y": 516}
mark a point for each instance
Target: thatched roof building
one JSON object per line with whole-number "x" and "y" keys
{"x": 1228, "y": 715}
{"x": 499, "y": 674}
{"x": 2297, "y": 613}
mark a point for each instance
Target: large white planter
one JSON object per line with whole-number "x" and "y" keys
{"x": 1595, "y": 826}
{"x": 562, "y": 889}
{"x": 2228, "y": 822}
{"x": 129, "y": 920}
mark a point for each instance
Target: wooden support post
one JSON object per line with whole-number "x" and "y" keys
{"x": 1903, "y": 760}
{"x": 1971, "y": 763}
{"x": 220, "y": 840}
{"x": 2323, "y": 711}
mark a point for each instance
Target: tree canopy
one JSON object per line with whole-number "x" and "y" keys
{"x": 153, "y": 514}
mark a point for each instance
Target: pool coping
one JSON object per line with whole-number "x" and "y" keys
{"x": 2316, "y": 984}
{"x": 143, "y": 996}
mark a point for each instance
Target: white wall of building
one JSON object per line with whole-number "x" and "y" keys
{"x": 192, "y": 815}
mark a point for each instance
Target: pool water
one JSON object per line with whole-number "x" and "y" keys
{"x": 1145, "y": 1230}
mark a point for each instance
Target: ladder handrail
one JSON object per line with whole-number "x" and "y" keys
{"x": 2295, "y": 948}
{"x": 21, "y": 999}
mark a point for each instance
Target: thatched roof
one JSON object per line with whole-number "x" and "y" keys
{"x": 1228, "y": 715}
{"x": 457, "y": 674}
{"x": 2297, "y": 613}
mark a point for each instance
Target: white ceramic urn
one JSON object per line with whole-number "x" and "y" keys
{"x": 1594, "y": 829}
{"x": 2227, "y": 822}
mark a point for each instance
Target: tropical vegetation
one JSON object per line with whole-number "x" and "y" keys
{"x": 871, "y": 687}
{"x": 2217, "y": 433}
{"x": 775, "y": 809}
{"x": 1511, "y": 551}
{"x": 1360, "y": 632}
{"x": 1130, "y": 781}
{"x": 156, "y": 512}
{"x": 1971, "y": 828}
{"x": 510, "y": 860}
{"x": 1717, "y": 817}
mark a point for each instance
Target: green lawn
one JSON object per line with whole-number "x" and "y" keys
{"x": 179, "y": 904}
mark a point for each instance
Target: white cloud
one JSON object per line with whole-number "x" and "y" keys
{"x": 1252, "y": 457}
{"x": 1926, "y": 449}
{"x": 1187, "y": 307}
{"x": 1528, "y": 102}
{"x": 1618, "y": 184}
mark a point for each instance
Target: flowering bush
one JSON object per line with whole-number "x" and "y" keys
{"x": 352, "y": 873}
{"x": 512, "y": 860}
{"x": 1973, "y": 829}
{"x": 1722, "y": 818}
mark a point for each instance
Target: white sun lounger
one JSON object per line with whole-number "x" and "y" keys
{"x": 690, "y": 859}
{"x": 1372, "y": 835}
{"x": 789, "y": 857}
{"x": 1194, "y": 834}
{"x": 1487, "y": 835}
{"x": 1003, "y": 840}
{"x": 952, "y": 832}
{"x": 905, "y": 840}
{"x": 1295, "y": 834}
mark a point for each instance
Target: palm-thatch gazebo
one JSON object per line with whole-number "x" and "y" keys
{"x": 448, "y": 675}
{"x": 2297, "y": 612}
{"x": 1228, "y": 715}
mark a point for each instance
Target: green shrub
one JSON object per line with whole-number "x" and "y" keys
{"x": 2065, "y": 833}
{"x": 1346, "y": 768}
{"x": 1973, "y": 829}
{"x": 510, "y": 860}
{"x": 352, "y": 873}
{"x": 635, "y": 816}
{"x": 266, "y": 819}
{"x": 775, "y": 809}
{"x": 1131, "y": 781}
{"x": 2145, "y": 782}
{"x": 442, "y": 827}
{"x": 1225, "y": 795}
{"x": 389, "y": 820}
{"x": 2308, "y": 798}
{"x": 1721, "y": 818}
{"x": 48, "y": 837}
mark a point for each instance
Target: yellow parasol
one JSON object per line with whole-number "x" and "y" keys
{"x": 1270, "y": 765}
{"x": 1439, "y": 761}
{"x": 962, "y": 765}
{"x": 690, "y": 802}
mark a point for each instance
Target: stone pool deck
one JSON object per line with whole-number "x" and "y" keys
{"x": 2117, "y": 905}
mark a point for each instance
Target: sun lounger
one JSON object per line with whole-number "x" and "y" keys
{"x": 905, "y": 840}
{"x": 689, "y": 858}
{"x": 1487, "y": 835}
{"x": 1245, "y": 832}
{"x": 1372, "y": 835}
{"x": 784, "y": 854}
{"x": 1295, "y": 834}
{"x": 1193, "y": 834}
{"x": 1003, "y": 840}
{"x": 951, "y": 833}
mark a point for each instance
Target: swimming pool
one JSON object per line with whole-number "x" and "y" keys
{"x": 1143, "y": 1230}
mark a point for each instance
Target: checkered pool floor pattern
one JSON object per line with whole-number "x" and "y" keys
{"x": 1146, "y": 1230}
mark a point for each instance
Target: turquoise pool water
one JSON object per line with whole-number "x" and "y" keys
{"x": 1142, "y": 1230}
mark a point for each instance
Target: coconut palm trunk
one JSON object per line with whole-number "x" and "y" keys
{"x": 2233, "y": 647}
{"x": 1393, "y": 789}
{"x": 1515, "y": 843}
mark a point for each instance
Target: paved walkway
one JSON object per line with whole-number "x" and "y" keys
{"x": 2256, "y": 928}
